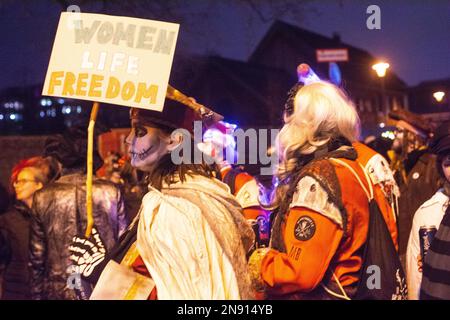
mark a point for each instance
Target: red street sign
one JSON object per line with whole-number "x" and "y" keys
{"x": 331, "y": 55}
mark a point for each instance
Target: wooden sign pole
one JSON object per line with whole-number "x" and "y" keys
{"x": 90, "y": 173}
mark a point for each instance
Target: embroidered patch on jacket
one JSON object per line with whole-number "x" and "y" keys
{"x": 305, "y": 228}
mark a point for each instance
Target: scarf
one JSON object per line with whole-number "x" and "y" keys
{"x": 436, "y": 265}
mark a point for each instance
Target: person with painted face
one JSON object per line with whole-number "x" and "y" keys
{"x": 190, "y": 239}
{"x": 28, "y": 176}
{"x": 432, "y": 283}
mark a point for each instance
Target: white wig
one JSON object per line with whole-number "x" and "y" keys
{"x": 321, "y": 112}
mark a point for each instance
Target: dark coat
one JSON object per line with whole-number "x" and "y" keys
{"x": 423, "y": 181}
{"x": 59, "y": 212}
{"x": 16, "y": 224}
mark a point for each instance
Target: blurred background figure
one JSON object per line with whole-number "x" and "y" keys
{"x": 5, "y": 245}
{"x": 27, "y": 177}
{"x": 59, "y": 212}
{"x": 5, "y": 256}
{"x": 219, "y": 144}
{"x": 380, "y": 144}
{"x": 111, "y": 168}
{"x": 118, "y": 170}
{"x": 5, "y": 199}
{"x": 434, "y": 214}
{"x": 414, "y": 169}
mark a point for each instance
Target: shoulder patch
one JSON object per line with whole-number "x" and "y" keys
{"x": 305, "y": 228}
{"x": 381, "y": 174}
{"x": 378, "y": 169}
{"x": 310, "y": 194}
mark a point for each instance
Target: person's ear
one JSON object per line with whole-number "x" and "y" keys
{"x": 175, "y": 139}
{"x": 40, "y": 185}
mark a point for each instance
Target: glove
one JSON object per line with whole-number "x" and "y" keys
{"x": 88, "y": 256}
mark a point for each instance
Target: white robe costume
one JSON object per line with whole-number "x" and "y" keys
{"x": 193, "y": 239}
{"x": 195, "y": 250}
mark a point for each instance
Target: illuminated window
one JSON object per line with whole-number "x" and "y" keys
{"x": 66, "y": 109}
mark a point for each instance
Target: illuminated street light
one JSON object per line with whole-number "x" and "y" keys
{"x": 439, "y": 96}
{"x": 380, "y": 68}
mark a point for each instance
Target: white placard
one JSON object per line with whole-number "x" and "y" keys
{"x": 118, "y": 60}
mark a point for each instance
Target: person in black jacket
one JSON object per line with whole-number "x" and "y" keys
{"x": 414, "y": 168}
{"x": 5, "y": 245}
{"x": 59, "y": 213}
{"x": 27, "y": 177}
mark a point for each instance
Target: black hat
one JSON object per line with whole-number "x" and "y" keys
{"x": 179, "y": 111}
{"x": 173, "y": 116}
{"x": 441, "y": 139}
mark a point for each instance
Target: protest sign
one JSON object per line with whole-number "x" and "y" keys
{"x": 111, "y": 59}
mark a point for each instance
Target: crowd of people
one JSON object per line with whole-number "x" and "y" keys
{"x": 338, "y": 213}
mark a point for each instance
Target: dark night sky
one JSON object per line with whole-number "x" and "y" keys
{"x": 414, "y": 35}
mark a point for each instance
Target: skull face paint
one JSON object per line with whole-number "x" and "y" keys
{"x": 146, "y": 145}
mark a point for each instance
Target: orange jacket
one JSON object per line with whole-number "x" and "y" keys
{"x": 241, "y": 178}
{"x": 314, "y": 240}
{"x": 248, "y": 199}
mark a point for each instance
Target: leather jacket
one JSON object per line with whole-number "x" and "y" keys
{"x": 59, "y": 213}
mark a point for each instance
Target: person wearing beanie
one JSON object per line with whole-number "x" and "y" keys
{"x": 59, "y": 211}
{"x": 430, "y": 277}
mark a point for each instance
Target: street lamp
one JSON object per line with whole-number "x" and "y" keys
{"x": 380, "y": 68}
{"x": 439, "y": 96}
